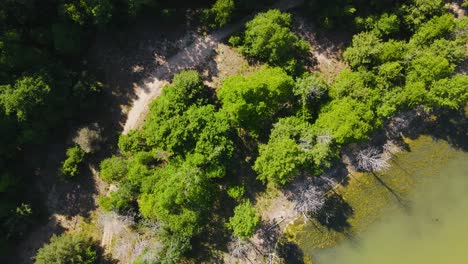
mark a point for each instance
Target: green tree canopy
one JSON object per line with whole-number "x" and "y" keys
{"x": 268, "y": 37}
{"x": 252, "y": 101}
{"x": 280, "y": 161}
{"x": 67, "y": 248}
{"x": 219, "y": 14}
{"x": 346, "y": 120}
{"x": 70, "y": 167}
{"x": 245, "y": 220}
{"x": 364, "y": 50}
{"x": 113, "y": 169}
{"x": 287, "y": 153}
{"x": 27, "y": 94}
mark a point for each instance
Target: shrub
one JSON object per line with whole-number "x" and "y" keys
{"x": 70, "y": 167}
{"x": 67, "y": 248}
{"x": 219, "y": 14}
{"x": 236, "y": 192}
{"x": 113, "y": 169}
{"x": 251, "y": 102}
{"x": 279, "y": 161}
{"x": 268, "y": 38}
{"x": 245, "y": 220}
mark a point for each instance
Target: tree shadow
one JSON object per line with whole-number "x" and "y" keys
{"x": 335, "y": 213}
{"x": 290, "y": 252}
{"x": 404, "y": 204}
{"x": 337, "y": 172}
{"x": 452, "y": 127}
{"x": 26, "y": 249}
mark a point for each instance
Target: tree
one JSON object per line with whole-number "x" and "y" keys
{"x": 347, "y": 120}
{"x": 450, "y": 92}
{"x": 382, "y": 26}
{"x": 364, "y": 50}
{"x": 358, "y": 85}
{"x": 280, "y": 161}
{"x": 70, "y": 167}
{"x": 294, "y": 128}
{"x": 437, "y": 27}
{"x": 309, "y": 198}
{"x": 371, "y": 160}
{"x": 25, "y": 97}
{"x": 89, "y": 138}
{"x": 251, "y": 102}
{"x": 245, "y": 220}
{"x": 310, "y": 89}
{"x": 268, "y": 38}
{"x": 67, "y": 248}
{"x": 98, "y": 12}
{"x": 419, "y": 11}
{"x": 428, "y": 67}
{"x": 113, "y": 169}
{"x": 122, "y": 200}
{"x": 236, "y": 192}
{"x": 186, "y": 89}
{"x": 219, "y": 14}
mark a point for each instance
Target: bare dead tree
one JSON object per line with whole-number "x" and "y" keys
{"x": 89, "y": 138}
{"x": 310, "y": 199}
{"x": 371, "y": 160}
{"x": 390, "y": 148}
{"x": 308, "y": 195}
{"x": 239, "y": 248}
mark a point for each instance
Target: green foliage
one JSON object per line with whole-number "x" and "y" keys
{"x": 419, "y": 11}
{"x": 346, "y": 120}
{"x": 178, "y": 195}
{"x": 219, "y": 14}
{"x": 279, "y": 161}
{"x": 364, "y": 50}
{"x": 98, "y": 12}
{"x": 450, "y": 92}
{"x": 180, "y": 121}
{"x": 236, "y": 192}
{"x": 251, "y": 102}
{"x": 132, "y": 142}
{"x": 355, "y": 84}
{"x": 245, "y": 220}
{"x": 67, "y": 248}
{"x": 121, "y": 200}
{"x": 427, "y": 67}
{"x": 113, "y": 169}
{"x": 268, "y": 37}
{"x": 310, "y": 90}
{"x": 70, "y": 167}
{"x": 27, "y": 94}
{"x": 329, "y": 14}
{"x": 288, "y": 152}
{"x": 382, "y": 26}
{"x": 179, "y": 133}
{"x": 437, "y": 27}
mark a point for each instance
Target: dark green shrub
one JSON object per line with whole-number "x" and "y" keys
{"x": 67, "y": 248}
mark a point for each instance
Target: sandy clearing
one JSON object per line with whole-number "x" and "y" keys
{"x": 188, "y": 58}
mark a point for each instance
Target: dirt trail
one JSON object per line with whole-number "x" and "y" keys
{"x": 191, "y": 56}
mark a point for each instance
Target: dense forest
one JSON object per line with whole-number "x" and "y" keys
{"x": 192, "y": 171}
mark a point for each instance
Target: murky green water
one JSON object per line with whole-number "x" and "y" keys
{"x": 420, "y": 217}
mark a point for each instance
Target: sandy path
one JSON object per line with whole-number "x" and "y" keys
{"x": 191, "y": 56}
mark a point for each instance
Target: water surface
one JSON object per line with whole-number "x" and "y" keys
{"x": 419, "y": 217}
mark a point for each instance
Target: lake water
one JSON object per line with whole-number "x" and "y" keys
{"x": 421, "y": 217}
